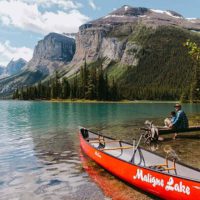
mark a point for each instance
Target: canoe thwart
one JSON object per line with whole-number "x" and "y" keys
{"x": 164, "y": 166}
{"x": 106, "y": 142}
{"x": 172, "y": 168}
{"x": 95, "y": 139}
{"x": 116, "y": 148}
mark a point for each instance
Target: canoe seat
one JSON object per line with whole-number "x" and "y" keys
{"x": 164, "y": 166}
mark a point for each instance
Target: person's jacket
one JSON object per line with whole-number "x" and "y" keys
{"x": 181, "y": 120}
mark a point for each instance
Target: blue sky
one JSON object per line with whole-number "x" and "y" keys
{"x": 24, "y": 22}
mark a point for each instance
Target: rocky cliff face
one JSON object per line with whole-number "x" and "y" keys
{"x": 109, "y": 36}
{"x": 52, "y": 53}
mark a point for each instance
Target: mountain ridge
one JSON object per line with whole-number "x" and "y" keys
{"x": 13, "y": 67}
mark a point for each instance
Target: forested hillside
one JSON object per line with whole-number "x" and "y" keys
{"x": 165, "y": 70}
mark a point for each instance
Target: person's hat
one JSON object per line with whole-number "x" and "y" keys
{"x": 177, "y": 105}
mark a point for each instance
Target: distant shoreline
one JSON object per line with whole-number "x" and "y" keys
{"x": 125, "y": 101}
{"x": 96, "y": 101}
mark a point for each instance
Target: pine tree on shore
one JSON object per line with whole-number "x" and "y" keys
{"x": 65, "y": 89}
{"x": 194, "y": 52}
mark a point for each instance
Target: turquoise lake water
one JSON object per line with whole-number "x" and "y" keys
{"x": 40, "y": 157}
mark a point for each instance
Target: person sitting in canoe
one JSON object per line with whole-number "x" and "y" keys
{"x": 181, "y": 120}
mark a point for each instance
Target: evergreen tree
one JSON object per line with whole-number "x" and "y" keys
{"x": 16, "y": 94}
{"x": 83, "y": 81}
{"x": 194, "y": 52}
{"x": 56, "y": 91}
{"x": 74, "y": 88}
{"x": 39, "y": 90}
{"x": 106, "y": 88}
{"x": 114, "y": 91}
{"x": 100, "y": 83}
{"x": 90, "y": 91}
{"x": 65, "y": 88}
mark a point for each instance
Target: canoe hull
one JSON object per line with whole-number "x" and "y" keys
{"x": 160, "y": 184}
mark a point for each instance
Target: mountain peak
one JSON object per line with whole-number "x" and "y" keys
{"x": 15, "y": 66}
{"x": 146, "y": 16}
{"x": 126, "y": 7}
{"x": 127, "y": 10}
{"x": 17, "y": 60}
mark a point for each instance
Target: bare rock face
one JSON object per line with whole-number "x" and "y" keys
{"x": 130, "y": 54}
{"x": 88, "y": 44}
{"x": 52, "y": 53}
{"x": 55, "y": 47}
{"x": 94, "y": 44}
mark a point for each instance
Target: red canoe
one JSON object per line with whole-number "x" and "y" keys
{"x": 148, "y": 171}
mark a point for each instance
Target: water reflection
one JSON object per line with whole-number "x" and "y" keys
{"x": 111, "y": 186}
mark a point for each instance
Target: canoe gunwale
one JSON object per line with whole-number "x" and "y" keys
{"x": 141, "y": 166}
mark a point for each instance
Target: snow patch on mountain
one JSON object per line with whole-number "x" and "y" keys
{"x": 126, "y": 8}
{"x": 165, "y": 12}
{"x": 114, "y": 16}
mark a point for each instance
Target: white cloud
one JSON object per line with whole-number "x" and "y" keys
{"x": 8, "y": 52}
{"x": 27, "y": 16}
{"x": 92, "y": 4}
{"x": 63, "y": 4}
{"x": 5, "y": 20}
